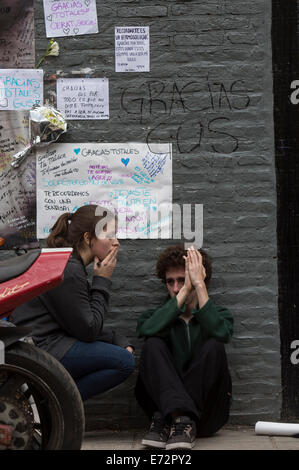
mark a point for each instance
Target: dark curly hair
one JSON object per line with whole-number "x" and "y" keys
{"x": 172, "y": 257}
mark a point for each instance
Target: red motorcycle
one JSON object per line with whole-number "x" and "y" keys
{"x": 40, "y": 405}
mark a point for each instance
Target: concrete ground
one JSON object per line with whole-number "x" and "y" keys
{"x": 229, "y": 438}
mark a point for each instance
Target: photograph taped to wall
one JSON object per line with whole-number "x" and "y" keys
{"x": 126, "y": 178}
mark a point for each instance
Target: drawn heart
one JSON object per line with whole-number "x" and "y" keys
{"x": 76, "y": 30}
{"x": 66, "y": 30}
{"x": 125, "y": 161}
{"x": 77, "y": 151}
{"x": 4, "y": 103}
{"x": 50, "y": 17}
{"x": 87, "y": 2}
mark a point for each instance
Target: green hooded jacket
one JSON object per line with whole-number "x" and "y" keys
{"x": 210, "y": 321}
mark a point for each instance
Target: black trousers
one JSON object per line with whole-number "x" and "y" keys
{"x": 203, "y": 391}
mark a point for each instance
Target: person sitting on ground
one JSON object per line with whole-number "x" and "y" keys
{"x": 184, "y": 384}
{"x": 68, "y": 321}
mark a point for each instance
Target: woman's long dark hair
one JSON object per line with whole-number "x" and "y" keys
{"x": 69, "y": 229}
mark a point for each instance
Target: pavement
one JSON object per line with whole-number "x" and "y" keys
{"x": 230, "y": 437}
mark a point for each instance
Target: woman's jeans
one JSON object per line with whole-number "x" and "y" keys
{"x": 97, "y": 366}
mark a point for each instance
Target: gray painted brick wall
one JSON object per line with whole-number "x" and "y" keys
{"x": 209, "y": 92}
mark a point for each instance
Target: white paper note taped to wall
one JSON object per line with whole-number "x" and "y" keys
{"x": 130, "y": 179}
{"x": 277, "y": 429}
{"x": 132, "y": 49}
{"x": 83, "y": 98}
{"x": 20, "y": 89}
{"x": 70, "y": 18}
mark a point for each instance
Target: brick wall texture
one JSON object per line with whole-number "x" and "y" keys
{"x": 209, "y": 93}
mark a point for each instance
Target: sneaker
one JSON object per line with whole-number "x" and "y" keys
{"x": 182, "y": 434}
{"x": 158, "y": 432}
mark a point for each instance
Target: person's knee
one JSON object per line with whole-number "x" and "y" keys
{"x": 155, "y": 351}
{"x": 215, "y": 347}
{"x": 128, "y": 363}
{"x": 153, "y": 344}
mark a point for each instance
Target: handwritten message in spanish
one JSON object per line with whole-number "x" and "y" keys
{"x": 17, "y": 185}
{"x": 20, "y": 88}
{"x": 70, "y": 18}
{"x": 83, "y": 98}
{"x": 17, "y": 34}
{"x": 126, "y": 178}
{"x": 132, "y": 49}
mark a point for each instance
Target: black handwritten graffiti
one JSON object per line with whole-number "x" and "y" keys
{"x": 157, "y": 100}
{"x": 158, "y": 97}
{"x": 187, "y": 143}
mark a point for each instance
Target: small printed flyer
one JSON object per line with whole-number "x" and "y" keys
{"x": 132, "y": 49}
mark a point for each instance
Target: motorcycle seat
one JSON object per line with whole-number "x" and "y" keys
{"x": 14, "y": 267}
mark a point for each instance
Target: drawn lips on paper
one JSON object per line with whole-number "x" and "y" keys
{"x": 125, "y": 161}
{"x": 4, "y": 103}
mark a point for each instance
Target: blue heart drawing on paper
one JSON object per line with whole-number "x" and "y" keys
{"x": 77, "y": 151}
{"x": 125, "y": 161}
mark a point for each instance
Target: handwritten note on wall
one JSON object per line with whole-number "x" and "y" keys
{"x": 20, "y": 89}
{"x": 83, "y": 98}
{"x": 70, "y": 18}
{"x": 125, "y": 177}
{"x": 132, "y": 49}
{"x": 17, "y": 186}
{"x": 17, "y": 34}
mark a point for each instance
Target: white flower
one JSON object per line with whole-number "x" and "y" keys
{"x": 54, "y": 49}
